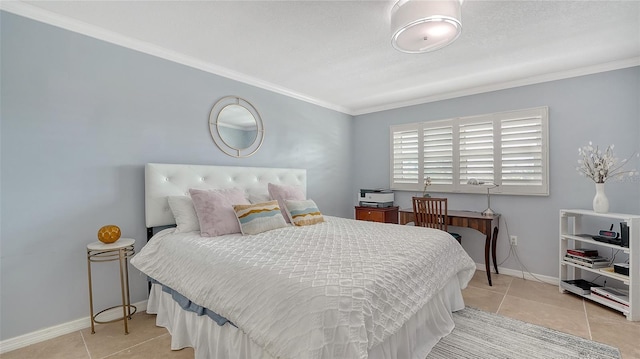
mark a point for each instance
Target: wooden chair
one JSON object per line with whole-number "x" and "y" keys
{"x": 432, "y": 212}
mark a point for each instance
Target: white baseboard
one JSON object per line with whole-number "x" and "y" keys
{"x": 61, "y": 329}
{"x": 517, "y": 273}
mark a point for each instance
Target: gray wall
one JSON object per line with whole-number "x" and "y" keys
{"x": 603, "y": 108}
{"x": 79, "y": 119}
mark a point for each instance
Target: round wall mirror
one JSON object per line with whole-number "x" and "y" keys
{"x": 236, "y": 127}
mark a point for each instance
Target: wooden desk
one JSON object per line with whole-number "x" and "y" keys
{"x": 474, "y": 220}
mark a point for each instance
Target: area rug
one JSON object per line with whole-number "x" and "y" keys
{"x": 480, "y": 335}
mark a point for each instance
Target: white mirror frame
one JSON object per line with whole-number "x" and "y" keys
{"x": 214, "y": 119}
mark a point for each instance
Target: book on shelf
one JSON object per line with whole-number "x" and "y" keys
{"x": 583, "y": 252}
{"x": 588, "y": 259}
{"x": 597, "y": 263}
{"x": 607, "y": 300}
{"x": 620, "y": 296}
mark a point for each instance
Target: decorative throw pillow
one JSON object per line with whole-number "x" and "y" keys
{"x": 281, "y": 192}
{"x": 184, "y": 213}
{"x": 259, "y": 217}
{"x": 215, "y": 210}
{"x": 303, "y": 213}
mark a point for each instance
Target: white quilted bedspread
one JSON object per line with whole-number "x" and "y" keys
{"x": 331, "y": 290}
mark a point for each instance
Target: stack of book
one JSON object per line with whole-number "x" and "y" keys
{"x": 586, "y": 257}
{"x": 583, "y": 252}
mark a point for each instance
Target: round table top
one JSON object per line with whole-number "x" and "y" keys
{"x": 120, "y": 243}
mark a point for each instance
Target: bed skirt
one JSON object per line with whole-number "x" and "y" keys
{"x": 210, "y": 340}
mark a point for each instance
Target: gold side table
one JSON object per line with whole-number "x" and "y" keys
{"x": 120, "y": 250}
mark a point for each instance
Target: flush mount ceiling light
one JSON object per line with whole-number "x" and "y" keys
{"x": 421, "y": 26}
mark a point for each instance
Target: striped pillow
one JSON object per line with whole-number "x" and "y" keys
{"x": 259, "y": 217}
{"x": 303, "y": 213}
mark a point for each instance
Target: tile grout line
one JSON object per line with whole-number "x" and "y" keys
{"x": 133, "y": 346}
{"x": 586, "y": 317}
{"x": 85, "y": 344}
{"x": 504, "y": 297}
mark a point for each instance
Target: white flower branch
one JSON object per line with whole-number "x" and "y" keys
{"x": 601, "y": 166}
{"x": 427, "y": 183}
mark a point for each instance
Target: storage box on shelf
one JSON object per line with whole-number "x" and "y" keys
{"x": 571, "y": 226}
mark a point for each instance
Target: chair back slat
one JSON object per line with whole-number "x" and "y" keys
{"x": 430, "y": 212}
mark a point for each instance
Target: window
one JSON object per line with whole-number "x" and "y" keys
{"x": 509, "y": 149}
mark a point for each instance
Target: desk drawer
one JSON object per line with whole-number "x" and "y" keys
{"x": 384, "y": 215}
{"x": 368, "y": 215}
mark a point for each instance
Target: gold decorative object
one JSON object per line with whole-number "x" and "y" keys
{"x": 109, "y": 233}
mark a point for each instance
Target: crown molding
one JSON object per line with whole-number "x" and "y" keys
{"x": 554, "y": 76}
{"x": 38, "y": 14}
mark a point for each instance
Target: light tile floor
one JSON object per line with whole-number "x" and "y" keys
{"x": 526, "y": 300}
{"x": 543, "y": 304}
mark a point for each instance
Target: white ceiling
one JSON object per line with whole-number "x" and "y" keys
{"x": 338, "y": 54}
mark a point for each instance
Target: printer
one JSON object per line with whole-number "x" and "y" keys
{"x": 376, "y": 198}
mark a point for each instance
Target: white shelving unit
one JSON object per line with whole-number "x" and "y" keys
{"x": 571, "y": 224}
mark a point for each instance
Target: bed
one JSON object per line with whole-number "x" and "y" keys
{"x": 340, "y": 288}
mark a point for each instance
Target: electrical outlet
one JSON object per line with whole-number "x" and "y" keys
{"x": 514, "y": 240}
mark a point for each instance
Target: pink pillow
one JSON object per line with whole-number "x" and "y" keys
{"x": 215, "y": 210}
{"x": 280, "y": 193}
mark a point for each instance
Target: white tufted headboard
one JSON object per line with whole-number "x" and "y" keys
{"x": 162, "y": 180}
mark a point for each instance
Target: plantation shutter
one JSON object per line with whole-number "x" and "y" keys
{"x": 522, "y": 151}
{"x": 508, "y": 149}
{"x": 438, "y": 154}
{"x": 405, "y": 157}
{"x": 476, "y": 151}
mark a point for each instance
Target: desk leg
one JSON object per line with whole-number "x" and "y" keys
{"x": 487, "y": 263}
{"x": 493, "y": 248}
{"x": 491, "y": 243}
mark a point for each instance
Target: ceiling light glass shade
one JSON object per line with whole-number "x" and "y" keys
{"x": 421, "y": 26}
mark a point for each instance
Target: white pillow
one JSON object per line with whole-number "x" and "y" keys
{"x": 256, "y": 198}
{"x": 184, "y": 213}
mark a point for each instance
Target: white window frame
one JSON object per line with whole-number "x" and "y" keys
{"x": 535, "y": 164}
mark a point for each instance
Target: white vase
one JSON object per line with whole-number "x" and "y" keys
{"x": 600, "y": 201}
